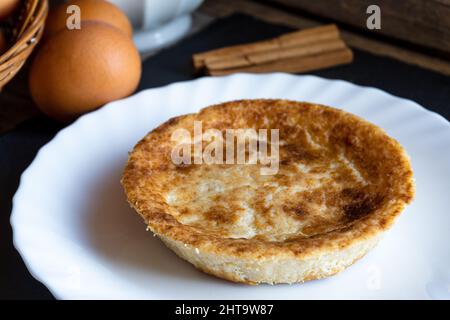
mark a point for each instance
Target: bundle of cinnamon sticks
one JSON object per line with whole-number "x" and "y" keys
{"x": 294, "y": 52}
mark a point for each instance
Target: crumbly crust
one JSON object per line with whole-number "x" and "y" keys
{"x": 342, "y": 182}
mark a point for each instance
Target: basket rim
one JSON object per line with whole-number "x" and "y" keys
{"x": 35, "y": 23}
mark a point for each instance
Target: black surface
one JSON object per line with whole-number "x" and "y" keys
{"x": 19, "y": 147}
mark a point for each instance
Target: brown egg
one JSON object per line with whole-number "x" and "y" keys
{"x": 7, "y": 8}
{"x": 3, "y": 42}
{"x": 77, "y": 71}
{"x": 98, "y": 10}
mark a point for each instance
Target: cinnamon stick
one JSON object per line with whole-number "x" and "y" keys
{"x": 315, "y": 48}
{"x": 295, "y": 64}
{"x": 293, "y": 39}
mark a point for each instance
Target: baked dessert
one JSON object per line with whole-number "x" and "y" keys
{"x": 340, "y": 184}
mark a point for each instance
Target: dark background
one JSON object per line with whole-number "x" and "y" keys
{"x": 18, "y": 147}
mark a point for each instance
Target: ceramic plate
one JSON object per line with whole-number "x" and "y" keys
{"x": 78, "y": 236}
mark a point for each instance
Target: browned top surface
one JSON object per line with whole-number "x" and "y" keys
{"x": 340, "y": 179}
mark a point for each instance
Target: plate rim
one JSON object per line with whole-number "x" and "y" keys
{"x": 38, "y": 273}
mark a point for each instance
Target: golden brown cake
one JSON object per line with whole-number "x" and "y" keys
{"x": 341, "y": 183}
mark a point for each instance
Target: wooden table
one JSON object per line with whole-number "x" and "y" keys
{"x": 360, "y": 38}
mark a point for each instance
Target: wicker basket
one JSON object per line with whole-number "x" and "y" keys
{"x": 27, "y": 31}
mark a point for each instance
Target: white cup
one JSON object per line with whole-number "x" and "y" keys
{"x": 158, "y": 23}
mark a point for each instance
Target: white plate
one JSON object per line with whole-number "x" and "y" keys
{"x": 78, "y": 236}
